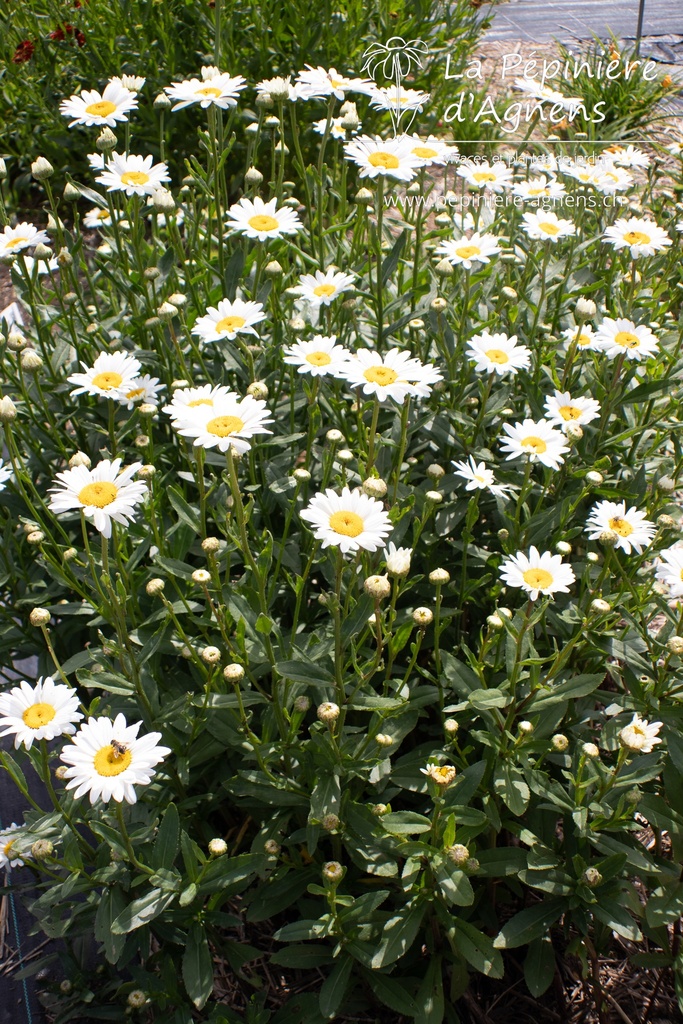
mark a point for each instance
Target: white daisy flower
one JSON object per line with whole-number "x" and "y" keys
{"x": 317, "y": 83}
{"x": 391, "y": 157}
{"x": 537, "y": 440}
{"x": 393, "y": 98}
{"x": 350, "y": 521}
{"x": 442, "y": 774}
{"x": 633, "y": 530}
{"x": 675, "y": 148}
{"x": 496, "y": 353}
{"x": 547, "y": 225}
{"x": 134, "y": 175}
{"x": 641, "y": 235}
{"x": 431, "y": 150}
{"x": 584, "y": 337}
{"x": 422, "y": 376}
{"x": 480, "y": 477}
{"x": 97, "y": 218}
{"x": 221, "y": 91}
{"x": 496, "y": 176}
{"x": 321, "y": 288}
{"x": 228, "y": 319}
{"x": 133, "y": 83}
{"x": 561, "y": 409}
{"x": 97, "y": 161}
{"x": 319, "y": 357}
{"x": 622, "y": 337}
{"x": 39, "y": 712}
{"x": 5, "y": 475}
{"x": 9, "y": 857}
{"x": 546, "y": 162}
{"x": 538, "y": 188}
{"x": 185, "y": 400}
{"x": 278, "y": 88}
{"x": 629, "y": 156}
{"x": 110, "y": 372}
{"x": 397, "y": 560}
{"x": 640, "y": 736}
{"x": 230, "y": 423}
{"x": 141, "y": 389}
{"x": 337, "y": 129}
{"x": 537, "y": 573}
{"x": 257, "y": 219}
{"x": 93, "y": 108}
{"x": 41, "y": 267}
{"x": 108, "y": 760}
{"x": 476, "y": 249}
{"x": 389, "y": 376}
{"x": 587, "y": 174}
{"x": 670, "y": 570}
{"x": 613, "y": 179}
{"x": 12, "y": 314}
{"x": 104, "y": 493}
{"x": 23, "y": 236}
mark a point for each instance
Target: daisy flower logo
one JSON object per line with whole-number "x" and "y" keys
{"x": 496, "y": 353}
{"x": 537, "y": 440}
{"x": 228, "y": 319}
{"x": 9, "y": 858}
{"x": 547, "y": 226}
{"x": 93, "y": 108}
{"x": 108, "y": 760}
{"x": 496, "y": 176}
{"x": 584, "y": 337}
{"x": 220, "y": 91}
{"x": 104, "y": 494}
{"x": 480, "y": 477}
{"x": 538, "y": 188}
{"x": 143, "y": 389}
{"x": 670, "y": 570}
{"x": 134, "y": 175}
{"x": 319, "y": 357}
{"x": 256, "y": 219}
{"x": 466, "y": 251}
{"x": 317, "y": 83}
{"x": 398, "y": 100}
{"x": 394, "y": 375}
{"x": 391, "y": 157}
{"x": 622, "y": 337}
{"x": 230, "y": 422}
{"x": 109, "y": 374}
{"x": 186, "y": 399}
{"x": 39, "y": 712}
{"x": 562, "y": 409}
{"x": 351, "y": 521}
{"x": 23, "y": 236}
{"x": 537, "y": 573}
{"x": 321, "y": 288}
{"x": 639, "y": 234}
{"x": 640, "y": 736}
{"x": 632, "y": 529}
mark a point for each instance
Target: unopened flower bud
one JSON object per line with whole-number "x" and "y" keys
{"x": 590, "y": 750}
{"x": 328, "y": 712}
{"x": 166, "y": 311}
{"x": 333, "y": 872}
{"x": 422, "y": 617}
{"x": 201, "y": 576}
{"x": 350, "y": 121}
{"x": 64, "y": 257}
{"x": 665, "y": 522}
{"x": 494, "y": 621}
{"x": 450, "y": 727}
{"x": 330, "y": 822}
{"x": 436, "y": 497}
{"x": 106, "y": 140}
{"x": 42, "y": 169}
{"x": 439, "y": 577}
{"x": 16, "y": 341}
{"x": 595, "y": 478}
{"x": 509, "y": 292}
{"x": 592, "y": 877}
{"x": 302, "y": 704}
{"x": 593, "y": 557}
{"x": 41, "y": 849}
{"x": 297, "y": 325}
{"x": 563, "y": 548}
{"x": 234, "y": 673}
{"x": 374, "y": 487}
{"x": 609, "y": 538}
{"x": 70, "y": 554}
{"x": 137, "y": 999}
{"x": 162, "y": 102}
{"x": 574, "y": 431}
{"x": 377, "y": 587}
{"x": 600, "y": 607}
{"x": 363, "y": 195}
{"x": 526, "y": 728}
{"x": 218, "y": 847}
{"x": 379, "y": 809}
{"x": 459, "y": 854}
{"x": 146, "y": 472}
{"x": 151, "y": 273}
{"x": 35, "y": 537}
{"x": 444, "y": 268}
{"x": 585, "y": 309}
{"x": 435, "y": 472}
{"x": 675, "y": 644}
{"x": 163, "y": 201}
{"x": 8, "y": 410}
{"x": 271, "y": 847}
{"x": 560, "y": 742}
{"x": 210, "y": 545}
{"x": 472, "y": 865}
{"x": 211, "y": 655}
{"x": 665, "y": 483}
{"x": 39, "y": 617}
{"x": 301, "y": 475}
{"x": 257, "y": 389}
{"x": 273, "y": 269}
{"x": 30, "y": 361}
{"x": 383, "y": 739}
{"x": 439, "y": 304}
{"x": 334, "y": 436}
{"x": 142, "y": 441}
{"x": 155, "y": 587}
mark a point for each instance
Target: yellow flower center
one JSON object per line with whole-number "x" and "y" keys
{"x": 319, "y": 358}
{"x": 549, "y": 227}
{"x": 537, "y": 579}
{"x": 584, "y": 339}
{"x": 209, "y": 90}
{"x": 99, "y": 493}
{"x": 263, "y": 222}
{"x": 536, "y": 444}
{"x": 424, "y": 152}
{"x": 336, "y": 82}
{"x": 496, "y": 355}
{"x": 230, "y": 324}
{"x": 382, "y": 159}
{"x": 442, "y": 775}
{"x": 627, "y": 339}
{"x": 102, "y": 214}
{"x": 484, "y": 176}
{"x": 324, "y": 289}
{"x": 38, "y": 715}
{"x": 107, "y": 380}
{"x": 621, "y": 526}
{"x": 569, "y": 412}
{"x": 538, "y": 191}
{"x": 135, "y": 393}
{"x": 349, "y": 524}
{"x": 7, "y": 847}
{"x": 134, "y": 178}
{"x": 381, "y": 375}
{"x": 681, "y": 574}
{"x": 199, "y": 401}
{"x": 109, "y": 762}
{"x": 637, "y": 238}
{"x": 466, "y": 252}
{"x": 224, "y": 426}
{"x": 103, "y": 108}
{"x": 11, "y": 242}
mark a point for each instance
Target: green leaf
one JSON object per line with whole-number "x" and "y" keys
{"x": 14, "y": 771}
{"x": 478, "y": 949}
{"x": 233, "y": 273}
{"x": 142, "y": 911}
{"x": 454, "y": 884}
{"x": 509, "y": 784}
{"x": 617, "y": 917}
{"x": 308, "y": 672}
{"x": 198, "y": 966}
{"x": 398, "y": 934}
{"x": 483, "y": 700}
{"x": 299, "y": 930}
{"x": 539, "y": 966}
{"x": 392, "y": 992}
{"x": 186, "y": 513}
{"x": 335, "y": 986}
{"x": 111, "y": 904}
{"x": 429, "y": 998}
{"x": 391, "y": 261}
{"x": 529, "y": 924}
{"x": 580, "y": 686}
{"x": 167, "y": 842}
{"x": 408, "y": 823}
{"x": 304, "y": 957}
{"x": 665, "y": 905}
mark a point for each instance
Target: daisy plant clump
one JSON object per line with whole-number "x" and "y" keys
{"x": 342, "y": 563}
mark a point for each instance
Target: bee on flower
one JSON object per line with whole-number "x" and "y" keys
{"x": 561, "y": 410}
{"x": 622, "y": 337}
{"x": 630, "y": 526}
{"x": 638, "y": 234}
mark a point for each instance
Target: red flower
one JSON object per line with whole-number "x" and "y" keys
{"x": 23, "y": 52}
{"x": 80, "y": 38}
{"x": 58, "y": 34}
